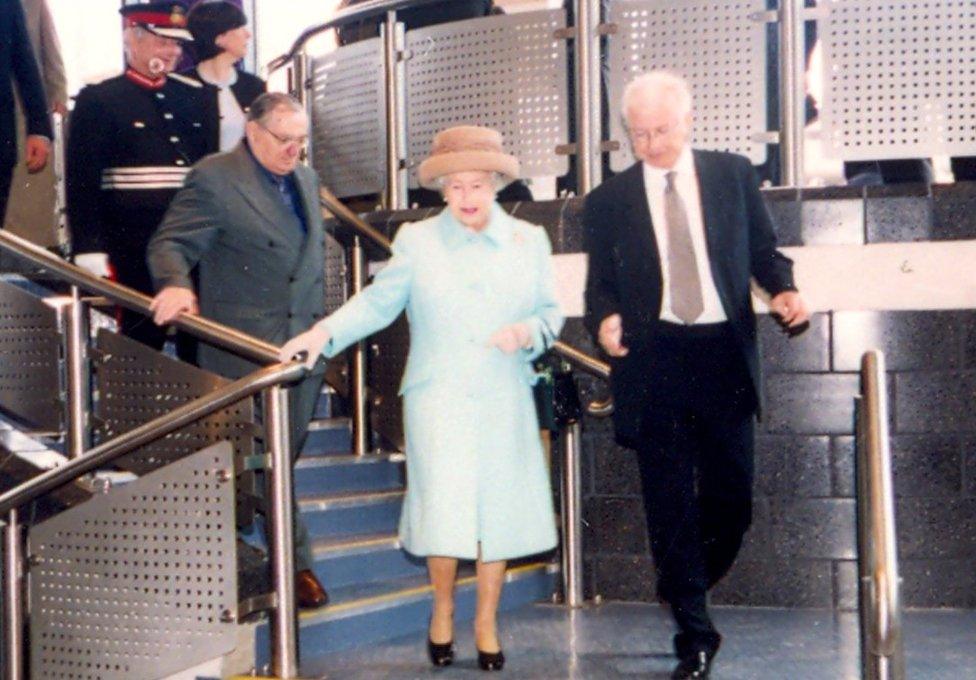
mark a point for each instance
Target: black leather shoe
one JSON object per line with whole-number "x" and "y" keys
{"x": 696, "y": 666}
{"x": 491, "y": 661}
{"x": 440, "y": 654}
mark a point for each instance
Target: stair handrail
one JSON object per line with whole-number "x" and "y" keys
{"x": 360, "y": 227}
{"x": 284, "y": 634}
{"x": 201, "y": 327}
{"x": 344, "y": 16}
{"x": 882, "y": 649}
{"x": 109, "y": 451}
{"x": 284, "y": 631}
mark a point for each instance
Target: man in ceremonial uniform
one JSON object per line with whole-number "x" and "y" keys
{"x": 132, "y": 140}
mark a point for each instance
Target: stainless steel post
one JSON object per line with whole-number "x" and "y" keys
{"x": 587, "y": 81}
{"x": 299, "y": 87}
{"x": 284, "y": 617}
{"x": 395, "y": 193}
{"x": 13, "y": 602}
{"x": 866, "y": 594}
{"x": 357, "y": 372}
{"x": 76, "y": 367}
{"x": 791, "y": 91}
{"x": 572, "y": 516}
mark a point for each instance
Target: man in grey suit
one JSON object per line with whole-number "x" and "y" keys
{"x": 249, "y": 220}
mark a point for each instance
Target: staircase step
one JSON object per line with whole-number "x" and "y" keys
{"x": 328, "y": 436}
{"x": 363, "y": 559}
{"x": 320, "y": 475}
{"x": 351, "y": 514}
{"x": 359, "y": 616}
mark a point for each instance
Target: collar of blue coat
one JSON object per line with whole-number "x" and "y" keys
{"x": 498, "y": 232}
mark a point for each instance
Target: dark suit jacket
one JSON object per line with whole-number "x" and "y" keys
{"x": 18, "y": 66}
{"x": 624, "y": 273}
{"x": 258, "y": 273}
{"x": 247, "y": 88}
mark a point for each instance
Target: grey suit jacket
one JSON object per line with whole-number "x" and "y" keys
{"x": 257, "y": 272}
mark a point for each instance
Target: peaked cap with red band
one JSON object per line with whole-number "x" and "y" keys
{"x": 166, "y": 19}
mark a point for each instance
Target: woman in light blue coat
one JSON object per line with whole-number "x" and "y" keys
{"x": 477, "y": 286}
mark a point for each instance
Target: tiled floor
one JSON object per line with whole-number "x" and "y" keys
{"x": 634, "y": 641}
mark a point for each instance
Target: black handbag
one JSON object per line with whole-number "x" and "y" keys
{"x": 556, "y": 396}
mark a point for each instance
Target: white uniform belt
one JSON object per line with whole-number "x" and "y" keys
{"x": 146, "y": 177}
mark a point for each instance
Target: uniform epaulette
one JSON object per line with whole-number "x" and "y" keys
{"x": 186, "y": 80}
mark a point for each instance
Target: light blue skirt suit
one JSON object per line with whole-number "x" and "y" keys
{"x": 476, "y": 473}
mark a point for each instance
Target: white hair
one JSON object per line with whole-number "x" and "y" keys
{"x": 657, "y": 85}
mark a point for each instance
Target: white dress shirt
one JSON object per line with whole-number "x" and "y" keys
{"x": 232, "y": 117}
{"x": 686, "y": 184}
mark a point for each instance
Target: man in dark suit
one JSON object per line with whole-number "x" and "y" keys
{"x": 250, "y": 219}
{"x": 18, "y": 66}
{"x": 673, "y": 242}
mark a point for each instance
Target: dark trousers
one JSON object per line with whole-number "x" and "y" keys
{"x": 696, "y": 466}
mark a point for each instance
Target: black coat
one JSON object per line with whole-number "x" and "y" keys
{"x": 18, "y": 67}
{"x": 129, "y": 150}
{"x": 247, "y": 88}
{"x": 624, "y": 275}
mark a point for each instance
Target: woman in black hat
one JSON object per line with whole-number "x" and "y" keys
{"x": 220, "y": 38}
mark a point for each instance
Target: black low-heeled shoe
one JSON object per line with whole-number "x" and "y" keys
{"x": 440, "y": 654}
{"x": 494, "y": 661}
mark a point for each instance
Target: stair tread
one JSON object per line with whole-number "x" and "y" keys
{"x": 347, "y": 458}
{"x": 349, "y": 499}
{"x": 350, "y": 600}
{"x": 356, "y": 543}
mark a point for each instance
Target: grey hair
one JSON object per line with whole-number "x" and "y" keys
{"x": 263, "y": 106}
{"x": 657, "y": 85}
{"x": 497, "y": 181}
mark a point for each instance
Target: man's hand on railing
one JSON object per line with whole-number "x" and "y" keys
{"x": 172, "y": 301}
{"x": 95, "y": 264}
{"x": 611, "y": 334}
{"x": 311, "y": 342}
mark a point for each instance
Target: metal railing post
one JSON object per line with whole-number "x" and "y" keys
{"x": 357, "y": 367}
{"x": 299, "y": 89}
{"x": 13, "y": 602}
{"x": 284, "y": 617}
{"x": 587, "y": 80}
{"x": 792, "y": 95}
{"x": 571, "y": 495}
{"x": 882, "y": 648}
{"x": 395, "y": 192}
{"x": 76, "y": 368}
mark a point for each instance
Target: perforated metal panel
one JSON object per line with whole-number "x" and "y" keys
{"x": 349, "y": 118}
{"x": 29, "y": 355}
{"x": 136, "y": 384}
{"x": 506, "y": 72}
{"x": 899, "y": 78}
{"x": 335, "y": 274}
{"x": 135, "y": 583}
{"x": 716, "y": 46}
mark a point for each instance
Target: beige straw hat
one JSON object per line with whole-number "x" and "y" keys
{"x": 464, "y": 148}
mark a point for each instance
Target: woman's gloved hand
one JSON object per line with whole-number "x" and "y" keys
{"x": 312, "y": 342}
{"x": 511, "y": 338}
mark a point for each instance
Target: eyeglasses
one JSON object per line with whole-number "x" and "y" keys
{"x": 284, "y": 140}
{"x": 649, "y": 135}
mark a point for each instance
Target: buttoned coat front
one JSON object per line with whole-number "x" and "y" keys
{"x": 475, "y": 467}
